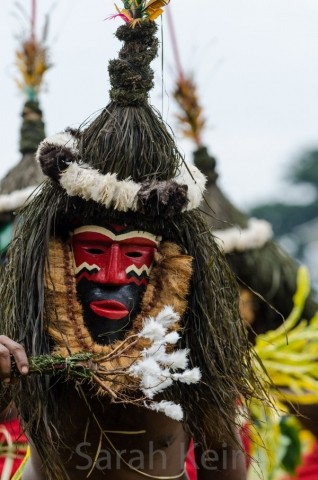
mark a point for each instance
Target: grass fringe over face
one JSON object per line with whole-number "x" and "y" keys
{"x": 212, "y": 329}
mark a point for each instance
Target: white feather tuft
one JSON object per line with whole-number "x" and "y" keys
{"x": 172, "y": 338}
{"x": 188, "y": 376}
{"x": 151, "y": 386}
{"x": 167, "y": 317}
{"x": 156, "y": 370}
{"x": 170, "y": 409}
{"x": 148, "y": 366}
{"x": 156, "y": 351}
{"x": 152, "y": 330}
{"x": 177, "y": 360}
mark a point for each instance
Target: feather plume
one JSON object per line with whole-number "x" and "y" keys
{"x": 190, "y": 119}
{"x": 136, "y": 11}
{"x": 32, "y": 60}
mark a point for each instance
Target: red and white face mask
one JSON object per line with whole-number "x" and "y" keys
{"x": 112, "y": 268}
{"x": 113, "y": 257}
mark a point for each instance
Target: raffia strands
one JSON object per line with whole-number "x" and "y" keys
{"x": 129, "y": 137}
{"x": 131, "y": 142}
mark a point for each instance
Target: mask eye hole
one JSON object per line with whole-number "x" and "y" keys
{"x": 133, "y": 254}
{"x": 94, "y": 251}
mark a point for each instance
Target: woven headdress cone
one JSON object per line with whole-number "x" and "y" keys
{"x": 129, "y": 137}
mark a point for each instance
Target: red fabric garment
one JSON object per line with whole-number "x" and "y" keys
{"x": 246, "y": 441}
{"x": 12, "y": 429}
{"x": 190, "y": 463}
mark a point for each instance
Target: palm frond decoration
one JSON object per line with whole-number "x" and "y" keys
{"x": 289, "y": 353}
{"x": 289, "y": 358}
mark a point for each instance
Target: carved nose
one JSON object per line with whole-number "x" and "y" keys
{"x": 114, "y": 272}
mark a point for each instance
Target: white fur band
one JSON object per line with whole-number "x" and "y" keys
{"x": 236, "y": 239}
{"x": 79, "y": 179}
{"x": 16, "y": 199}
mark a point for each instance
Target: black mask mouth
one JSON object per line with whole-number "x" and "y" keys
{"x": 109, "y": 310}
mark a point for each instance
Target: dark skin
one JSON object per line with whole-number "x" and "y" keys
{"x": 146, "y": 440}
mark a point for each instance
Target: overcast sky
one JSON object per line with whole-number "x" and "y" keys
{"x": 255, "y": 61}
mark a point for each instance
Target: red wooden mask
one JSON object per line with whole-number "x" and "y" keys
{"x": 112, "y": 268}
{"x": 113, "y": 257}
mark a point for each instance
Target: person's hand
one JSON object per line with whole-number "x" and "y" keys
{"x": 8, "y": 349}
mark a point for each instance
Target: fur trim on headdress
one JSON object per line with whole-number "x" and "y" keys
{"x": 235, "y": 239}
{"x": 10, "y": 201}
{"x": 61, "y": 161}
{"x": 56, "y": 153}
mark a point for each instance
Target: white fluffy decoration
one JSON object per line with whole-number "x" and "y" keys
{"x": 172, "y": 410}
{"x": 236, "y": 239}
{"x": 157, "y": 369}
{"x": 190, "y": 175}
{"x": 79, "y": 179}
{"x": 9, "y": 202}
{"x": 88, "y": 183}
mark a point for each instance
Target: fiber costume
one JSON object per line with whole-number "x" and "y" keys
{"x": 120, "y": 194}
